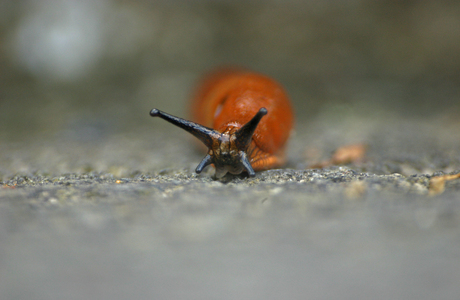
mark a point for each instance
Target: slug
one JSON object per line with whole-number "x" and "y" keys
{"x": 243, "y": 118}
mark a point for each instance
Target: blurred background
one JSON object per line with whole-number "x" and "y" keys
{"x": 87, "y": 68}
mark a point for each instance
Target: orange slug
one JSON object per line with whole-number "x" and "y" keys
{"x": 243, "y": 118}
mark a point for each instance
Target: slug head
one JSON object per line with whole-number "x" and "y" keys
{"x": 226, "y": 150}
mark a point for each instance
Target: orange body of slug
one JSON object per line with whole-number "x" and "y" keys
{"x": 243, "y": 118}
{"x": 228, "y": 98}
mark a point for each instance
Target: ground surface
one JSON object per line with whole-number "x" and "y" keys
{"x": 148, "y": 227}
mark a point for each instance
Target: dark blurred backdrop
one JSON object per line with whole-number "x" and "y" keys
{"x": 83, "y": 68}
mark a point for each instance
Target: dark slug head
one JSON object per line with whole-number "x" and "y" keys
{"x": 227, "y": 150}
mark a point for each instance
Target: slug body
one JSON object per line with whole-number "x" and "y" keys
{"x": 243, "y": 118}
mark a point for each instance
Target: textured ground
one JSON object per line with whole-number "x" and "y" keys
{"x": 148, "y": 227}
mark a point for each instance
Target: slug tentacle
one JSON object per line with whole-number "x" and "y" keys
{"x": 204, "y": 134}
{"x": 207, "y": 160}
{"x": 244, "y": 134}
{"x": 247, "y": 164}
{"x": 227, "y": 151}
